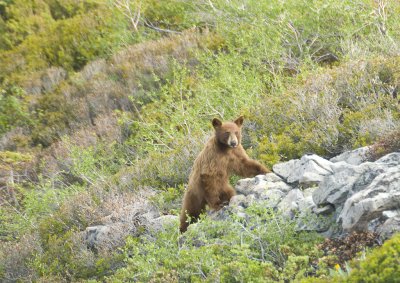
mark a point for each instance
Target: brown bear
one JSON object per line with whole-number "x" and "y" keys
{"x": 222, "y": 156}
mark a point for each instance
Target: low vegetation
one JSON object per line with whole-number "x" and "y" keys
{"x": 264, "y": 247}
{"x": 101, "y": 100}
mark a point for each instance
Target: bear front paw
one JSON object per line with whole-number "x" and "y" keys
{"x": 225, "y": 203}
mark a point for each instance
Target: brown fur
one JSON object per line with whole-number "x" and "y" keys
{"x": 222, "y": 156}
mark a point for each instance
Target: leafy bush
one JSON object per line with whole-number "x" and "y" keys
{"x": 15, "y": 258}
{"x": 65, "y": 255}
{"x": 340, "y": 109}
{"x": 69, "y": 8}
{"x": 169, "y": 200}
{"x": 164, "y": 15}
{"x": 83, "y": 38}
{"x": 83, "y": 31}
{"x": 13, "y": 109}
{"x": 263, "y": 248}
{"x": 53, "y": 115}
{"x": 22, "y": 19}
{"x": 381, "y": 265}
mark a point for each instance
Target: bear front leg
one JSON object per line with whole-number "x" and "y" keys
{"x": 227, "y": 194}
{"x": 251, "y": 168}
{"x": 243, "y": 166}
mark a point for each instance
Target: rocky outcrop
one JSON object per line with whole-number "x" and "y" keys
{"x": 333, "y": 197}
{"x": 340, "y": 195}
{"x": 381, "y": 195}
{"x": 353, "y": 157}
{"x": 309, "y": 170}
{"x": 137, "y": 218}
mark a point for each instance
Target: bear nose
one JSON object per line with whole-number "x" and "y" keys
{"x": 233, "y": 144}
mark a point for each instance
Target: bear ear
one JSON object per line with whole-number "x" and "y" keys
{"x": 239, "y": 121}
{"x": 216, "y": 123}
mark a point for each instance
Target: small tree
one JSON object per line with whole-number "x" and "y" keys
{"x": 132, "y": 10}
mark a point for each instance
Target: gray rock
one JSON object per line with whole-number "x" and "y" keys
{"x": 290, "y": 203}
{"x": 285, "y": 169}
{"x": 310, "y": 178}
{"x": 308, "y": 171}
{"x": 105, "y": 237}
{"x": 307, "y": 204}
{"x": 350, "y": 194}
{"x": 311, "y": 222}
{"x": 159, "y": 223}
{"x": 223, "y": 214}
{"x": 247, "y": 186}
{"x": 260, "y": 183}
{"x": 391, "y": 213}
{"x": 133, "y": 218}
{"x": 345, "y": 181}
{"x": 271, "y": 177}
{"x": 242, "y": 200}
{"x": 95, "y": 233}
{"x": 353, "y": 157}
{"x": 391, "y": 159}
{"x": 271, "y": 198}
{"x": 382, "y": 194}
{"x": 309, "y": 191}
{"x": 389, "y": 227}
{"x": 374, "y": 224}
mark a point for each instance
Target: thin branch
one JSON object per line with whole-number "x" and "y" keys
{"x": 150, "y": 25}
{"x": 126, "y": 8}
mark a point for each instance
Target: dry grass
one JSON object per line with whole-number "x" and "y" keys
{"x": 15, "y": 257}
{"x": 388, "y": 143}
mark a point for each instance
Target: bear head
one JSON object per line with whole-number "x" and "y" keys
{"x": 228, "y": 133}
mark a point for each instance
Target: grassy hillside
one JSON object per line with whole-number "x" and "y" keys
{"x": 99, "y": 100}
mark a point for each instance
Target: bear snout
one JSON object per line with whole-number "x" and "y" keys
{"x": 233, "y": 144}
{"x": 232, "y": 140}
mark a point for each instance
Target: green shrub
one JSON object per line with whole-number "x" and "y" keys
{"x": 381, "y": 265}
{"x": 82, "y": 32}
{"x": 327, "y": 113}
{"x": 13, "y": 109}
{"x": 69, "y": 8}
{"x": 76, "y": 41}
{"x": 264, "y": 248}
{"x": 324, "y": 111}
{"x": 169, "y": 200}
{"x": 53, "y": 115}
{"x": 65, "y": 255}
{"x": 95, "y": 163}
{"x": 172, "y": 15}
{"x": 23, "y": 18}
